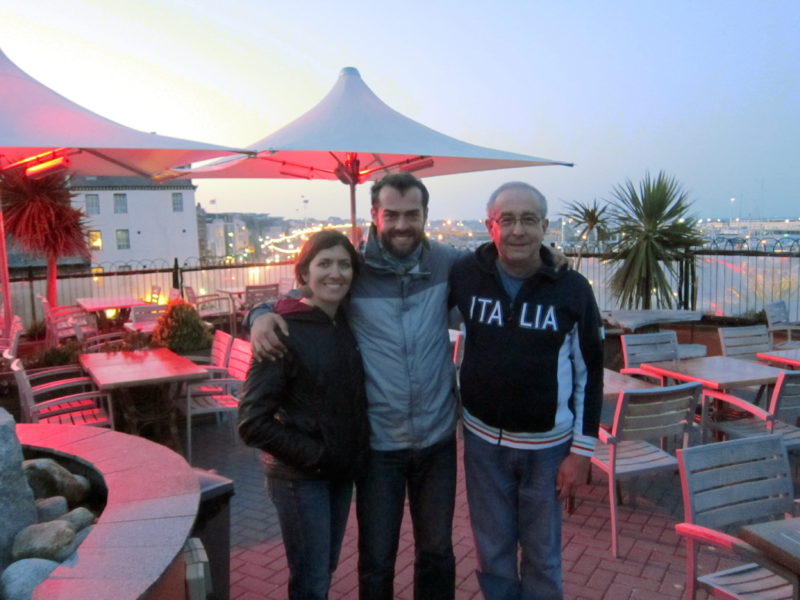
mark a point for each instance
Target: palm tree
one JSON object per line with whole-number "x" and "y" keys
{"x": 41, "y": 219}
{"x": 654, "y": 230}
{"x": 590, "y": 218}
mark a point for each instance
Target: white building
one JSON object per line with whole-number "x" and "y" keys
{"x": 134, "y": 219}
{"x": 226, "y": 235}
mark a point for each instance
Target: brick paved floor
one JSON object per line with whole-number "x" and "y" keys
{"x": 651, "y": 564}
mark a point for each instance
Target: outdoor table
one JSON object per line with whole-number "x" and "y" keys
{"x": 100, "y": 304}
{"x": 786, "y": 358}
{"x": 613, "y": 384}
{"x": 715, "y": 372}
{"x": 155, "y": 368}
{"x": 631, "y": 320}
{"x": 720, "y": 373}
{"x": 103, "y": 303}
{"x": 778, "y": 540}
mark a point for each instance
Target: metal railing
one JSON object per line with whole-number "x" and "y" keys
{"x": 726, "y": 282}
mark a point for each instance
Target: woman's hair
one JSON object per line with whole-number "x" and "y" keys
{"x": 322, "y": 240}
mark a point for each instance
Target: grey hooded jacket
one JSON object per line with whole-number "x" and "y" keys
{"x": 400, "y": 321}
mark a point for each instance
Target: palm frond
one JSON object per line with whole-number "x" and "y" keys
{"x": 654, "y": 230}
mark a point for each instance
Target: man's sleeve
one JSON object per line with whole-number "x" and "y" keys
{"x": 255, "y": 312}
{"x": 588, "y": 376}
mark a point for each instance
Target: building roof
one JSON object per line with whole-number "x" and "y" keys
{"x": 127, "y": 183}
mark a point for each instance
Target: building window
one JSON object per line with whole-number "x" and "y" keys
{"x": 92, "y": 204}
{"x": 123, "y": 239}
{"x": 120, "y": 204}
{"x": 95, "y": 240}
{"x": 177, "y": 202}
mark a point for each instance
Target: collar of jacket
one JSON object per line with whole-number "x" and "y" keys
{"x": 375, "y": 259}
{"x": 295, "y": 308}
{"x": 486, "y": 255}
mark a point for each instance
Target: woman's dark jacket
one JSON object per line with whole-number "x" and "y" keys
{"x": 308, "y": 410}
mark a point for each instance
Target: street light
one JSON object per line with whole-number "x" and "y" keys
{"x": 730, "y": 221}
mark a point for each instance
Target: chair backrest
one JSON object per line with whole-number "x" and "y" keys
{"x": 240, "y": 358}
{"x": 11, "y": 344}
{"x": 148, "y": 312}
{"x": 191, "y": 297}
{"x": 656, "y": 413}
{"x": 24, "y": 390}
{"x": 728, "y": 484}
{"x": 744, "y": 342}
{"x": 221, "y": 348}
{"x": 777, "y": 314}
{"x": 785, "y": 400}
{"x": 638, "y": 348}
{"x": 104, "y": 342}
{"x": 256, "y": 294}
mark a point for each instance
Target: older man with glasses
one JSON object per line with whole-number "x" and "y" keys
{"x": 531, "y": 388}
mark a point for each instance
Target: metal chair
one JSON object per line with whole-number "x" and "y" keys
{"x": 47, "y": 403}
{"x": 214, "y": 308}
{"x": 217, "y": 395}
{"x": 727, "y": 485}
{"x": 778, "y": 320}
{"x": 780, "y": 417}
{"x": 638, "y": 348}
{"x": 143, "y": 319}
{"x": 644, "y": 421}
{"x": 745, "y": 342}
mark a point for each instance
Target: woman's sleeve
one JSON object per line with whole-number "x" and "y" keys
{"x": 262, "y": 396}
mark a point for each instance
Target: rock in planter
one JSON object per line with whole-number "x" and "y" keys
{"x": 79, "y": 518}
{"x": 48, "y": 478}
{"x": 16, "y": 497}
{"x": 19, "y": 579}
{"x": 52, "y": 540}
{"x": 51, "y": 508}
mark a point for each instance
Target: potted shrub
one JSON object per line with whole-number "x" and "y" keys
{"x": 181, "y": 329}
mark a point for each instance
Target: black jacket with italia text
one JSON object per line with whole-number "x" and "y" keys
{"x": 523, "y": 359}
{"x": 308, "y": 410}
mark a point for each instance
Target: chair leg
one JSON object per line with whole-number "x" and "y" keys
{"x": 612, "y": 503}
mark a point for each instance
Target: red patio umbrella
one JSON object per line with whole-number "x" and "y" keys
{"x": 40, "y": 129}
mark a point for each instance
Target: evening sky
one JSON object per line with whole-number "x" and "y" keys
{"x": 708, "y": 91}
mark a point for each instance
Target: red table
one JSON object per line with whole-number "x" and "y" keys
{"x": 156, "y": 369}
{"x": 102, "y": 303}
{"x": 115, "y": 370}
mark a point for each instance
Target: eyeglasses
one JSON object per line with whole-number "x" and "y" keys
{"x": 509, "y": 221}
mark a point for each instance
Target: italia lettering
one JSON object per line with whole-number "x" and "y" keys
{"x": 489, "y": 311}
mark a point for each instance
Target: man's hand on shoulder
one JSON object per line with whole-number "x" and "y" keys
{"x": 267, "y": 345}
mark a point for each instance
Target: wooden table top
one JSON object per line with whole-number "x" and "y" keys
{"x": 715, "y": 372}
{"x": 631, "y": 320}
{"x": 114, "y": 370}
{"x": 778, "y": 540}
{"x": 790, "y": 358}
{"x": 614, "y": 383}
{"x": 106, "y": 302}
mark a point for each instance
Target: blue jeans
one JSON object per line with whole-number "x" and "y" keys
{"x": 429, "y": 477}
{"x": 313, "y": 517}
{"x": 513, "y": 504}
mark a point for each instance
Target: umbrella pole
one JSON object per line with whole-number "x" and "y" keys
{"x": 6, "y": 286}
{"x": 353, "y": 228}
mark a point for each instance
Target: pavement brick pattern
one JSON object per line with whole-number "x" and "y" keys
{"x": 651, "y": 564}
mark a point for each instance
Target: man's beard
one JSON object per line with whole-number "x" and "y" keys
{"x": 388, "y": 242}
